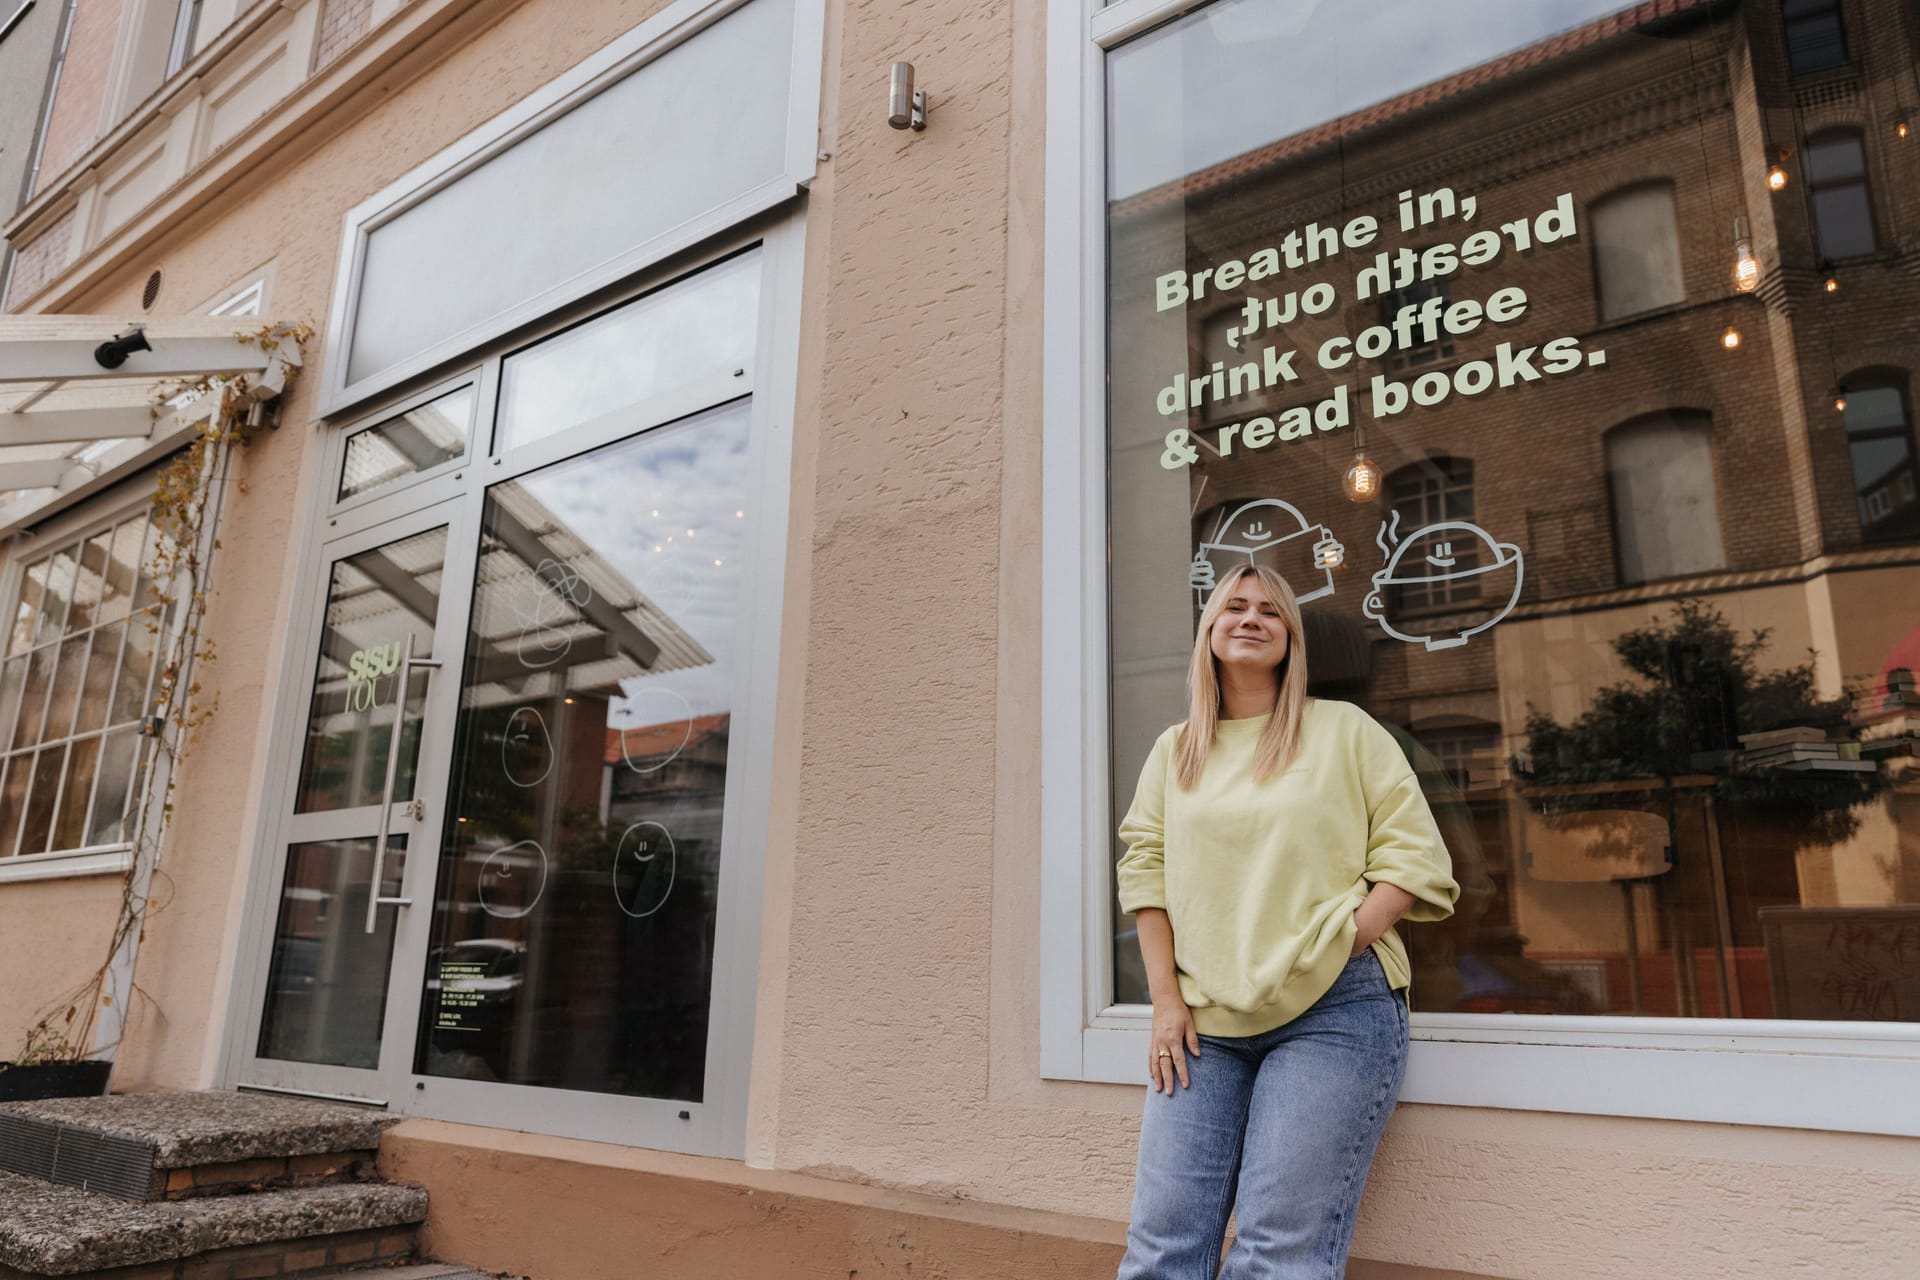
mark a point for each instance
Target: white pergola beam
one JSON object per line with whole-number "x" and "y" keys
{"x": 46, "y": 360}
{"x": 73, "y": 426}
{"x": 47, "y": 473}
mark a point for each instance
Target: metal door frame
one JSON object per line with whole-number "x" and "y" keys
{"x": 422, "y": 830}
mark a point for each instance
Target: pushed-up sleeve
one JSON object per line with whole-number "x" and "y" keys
{"x": 1141, "y": 874}
{"x": 1404, "y": 847}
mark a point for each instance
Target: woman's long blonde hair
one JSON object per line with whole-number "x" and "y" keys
{"x": 1280, "y": 740}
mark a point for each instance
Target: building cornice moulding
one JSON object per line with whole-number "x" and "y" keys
{"x": 411, "y": 41}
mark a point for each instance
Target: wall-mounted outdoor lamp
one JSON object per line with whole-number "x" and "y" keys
{"x": 113, "y": 353}
{"x": 906, "y": 106}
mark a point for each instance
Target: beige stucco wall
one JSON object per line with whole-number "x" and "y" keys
{"x": 898, "y": 1015}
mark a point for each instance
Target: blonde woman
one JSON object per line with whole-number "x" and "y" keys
{"x": 1273, "y": 843}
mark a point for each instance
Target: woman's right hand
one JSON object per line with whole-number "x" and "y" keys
{"x": 1172, "y": 1040}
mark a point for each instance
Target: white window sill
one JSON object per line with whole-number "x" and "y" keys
{"x": 107, "y": 859}
{"x": 1843, "y": 1076}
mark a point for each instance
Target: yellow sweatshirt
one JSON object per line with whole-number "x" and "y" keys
{"x": 1261, "y": 879}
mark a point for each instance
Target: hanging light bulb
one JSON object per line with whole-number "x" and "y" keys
{"x": 1900, "y": 125}
{"x": 1362, "y": 481}
{"x": 1831, "y": 284}
{"x": 1731, "y": 338}
{"x": 1746, "y": 267}
{"x": 1840, "y": 398}
{"x": 1776, "y": 177}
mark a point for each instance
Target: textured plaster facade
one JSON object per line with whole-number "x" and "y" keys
{"x": 898, "y": 1014}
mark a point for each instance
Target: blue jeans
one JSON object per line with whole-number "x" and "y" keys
{"x": 1283, "y": 1125}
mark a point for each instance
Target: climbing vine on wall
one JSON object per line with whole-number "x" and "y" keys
{"x": 184, "y": 502}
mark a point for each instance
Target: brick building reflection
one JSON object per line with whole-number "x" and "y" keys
{"x": 1742, "y": 837}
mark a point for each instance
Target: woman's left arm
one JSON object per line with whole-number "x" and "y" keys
{"x": 1407, "y": 863}
{"x": 1378, "y": 912}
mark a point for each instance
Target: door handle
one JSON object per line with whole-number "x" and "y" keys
{"x": 415, "y": 807}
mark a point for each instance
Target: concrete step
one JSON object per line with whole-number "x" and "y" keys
{"x": 50, "y": 1230}
{"x": 176, "y": 1146}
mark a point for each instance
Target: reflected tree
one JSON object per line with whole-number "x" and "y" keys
{"x": 1699, "y": 686}
{"x": 1668, "y": 741}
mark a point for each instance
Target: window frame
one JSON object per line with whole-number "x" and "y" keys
{"x": 1848, "y": 1076}
{"x": 624, "y": 56}
{"x": 79, "y": 524}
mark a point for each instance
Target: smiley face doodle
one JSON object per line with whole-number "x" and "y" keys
{"x": 526, "y": 748}
{"x": 1449, "y": 556}
{"x": 1272, "y": 533}
{"x": 644, "y": 864}
{"x": 512, "y": 880}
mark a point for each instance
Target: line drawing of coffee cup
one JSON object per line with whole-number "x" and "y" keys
{"x": 1442, "y": 547}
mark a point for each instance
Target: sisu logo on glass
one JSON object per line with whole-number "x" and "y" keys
{"x": 365, "y": 668}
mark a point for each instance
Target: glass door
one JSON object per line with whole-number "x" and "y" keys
{"x": 351, "y": 884}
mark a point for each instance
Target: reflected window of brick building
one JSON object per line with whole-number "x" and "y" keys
{"x": 1880, "y": 447}
{"x": 1837, "y": 192}
{"x": 1394, "y": 301}
{"x": 1636, "y": 251}
{"x": 1666, "y": 517}
{"x": 1816, "y": 35}
{"x": 1435, "y": 492}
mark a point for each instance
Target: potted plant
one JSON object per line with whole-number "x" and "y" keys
{"x": 51, "y": 1065}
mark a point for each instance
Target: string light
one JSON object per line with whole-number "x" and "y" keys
{"x": 1831, "y": 285}
{"x": 1731, "y": 338}
{"x": 1840, "y": 398}
{"x": 1362, "y": 481}
{"x": 1746, "y": 267}
{"x": 1777, "y": 171}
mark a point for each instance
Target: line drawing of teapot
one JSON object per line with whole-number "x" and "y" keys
{"x": 1441, "y": 565}
{"x": 1273, "y": 533}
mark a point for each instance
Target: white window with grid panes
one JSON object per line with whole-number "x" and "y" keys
{"x": 75, "y": 686}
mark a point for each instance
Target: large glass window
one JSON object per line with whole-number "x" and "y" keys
{"x": 76, "y": 680}
{"x": 1661, "y": 700}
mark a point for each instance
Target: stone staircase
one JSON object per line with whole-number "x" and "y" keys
{"x": 196, "y": 1186}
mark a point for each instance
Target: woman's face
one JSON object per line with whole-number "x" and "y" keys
{"x": 1249, "y": 633}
